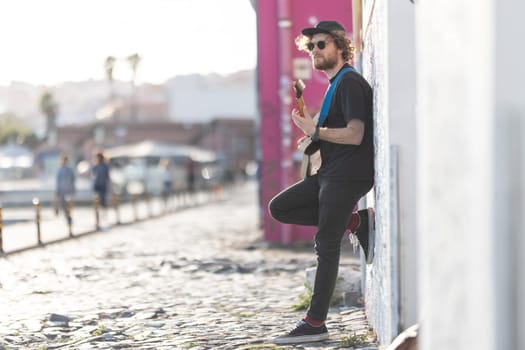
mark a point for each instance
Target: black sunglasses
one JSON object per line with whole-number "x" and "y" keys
{"x": 321, "y": 44}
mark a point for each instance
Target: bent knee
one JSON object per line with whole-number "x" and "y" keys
{"x": 273, "y": 208}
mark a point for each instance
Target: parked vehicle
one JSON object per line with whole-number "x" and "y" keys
{"x": 137, "y": 168}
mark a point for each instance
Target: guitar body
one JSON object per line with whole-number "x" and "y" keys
{"x": 310, "y": 164}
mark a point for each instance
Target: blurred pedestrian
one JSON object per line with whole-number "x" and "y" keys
{"x": 344, "y": 135}
{"x": 167, "y": 179}
{"x": 190, "y": 175}
{"x": 101, "y": 179}
{"x": 65, "y": 185}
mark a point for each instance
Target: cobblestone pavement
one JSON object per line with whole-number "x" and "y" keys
{"x": 200, "y": 278}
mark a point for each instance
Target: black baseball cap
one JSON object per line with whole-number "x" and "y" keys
{"x": 326, "y": 27}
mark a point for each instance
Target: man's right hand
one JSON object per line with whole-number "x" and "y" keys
{"x": 306, "y": 123}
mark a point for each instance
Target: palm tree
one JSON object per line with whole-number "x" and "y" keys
{"x": 49, "y": 108}
{"x": 134, "y": 61}
{"x": 109, "y": 66}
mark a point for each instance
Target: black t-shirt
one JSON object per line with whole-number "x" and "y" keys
{"x": 351, "y": 99}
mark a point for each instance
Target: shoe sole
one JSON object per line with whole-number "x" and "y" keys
{"x": 301, "y": 339}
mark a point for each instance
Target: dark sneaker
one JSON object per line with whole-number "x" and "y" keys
{"x": 303, "y": 333}
{"x": 366, "y": 233}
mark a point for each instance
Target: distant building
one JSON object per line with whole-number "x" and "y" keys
{"x": 232, "y": 139}
{"x": 182, "y": 99}
{"x": 200, "y": 98}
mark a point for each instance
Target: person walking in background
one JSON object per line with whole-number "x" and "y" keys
{"x": 101, "y": 179}
{"x": 344, "y": 134}
{"x": 167, "y": 179}
{"x": 190, "y": 175}
{"x": 65, "y": 185}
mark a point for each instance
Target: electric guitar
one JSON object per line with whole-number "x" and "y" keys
{"x": 306, "y": 145}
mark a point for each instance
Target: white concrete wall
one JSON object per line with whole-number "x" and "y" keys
{"x": 402, "y": 121}
{"x": 509, "y": 173}
{"x": 381, "y": 292}
{"x": 455, "y": 111}
{"x": 389, "y": 64}
{"x": 460, "y": 171}
{"x": 470, "y": 124}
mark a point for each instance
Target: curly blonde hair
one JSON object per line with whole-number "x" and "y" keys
{"x": 341, "y": 41}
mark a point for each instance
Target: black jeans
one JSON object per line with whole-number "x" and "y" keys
{"x": 326, "y": 203}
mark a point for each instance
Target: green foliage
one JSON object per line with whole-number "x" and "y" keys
{"x": 99, "y": 331}
{"x": 63, "y": 339}
{"x": 48, "y": 105}
{"x": 244, "y": 314}
{"x": 304, "y": 299}
{"x": 109, "y": 66}
{"x": 134, "y": 61}
{"x": 14, "y": 130}
{"x": 264, "y": 347}
{"x": 354, "y": 340}
{"x": 49, "y": 108}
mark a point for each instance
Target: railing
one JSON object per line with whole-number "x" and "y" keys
{"x": 42, "y": 225}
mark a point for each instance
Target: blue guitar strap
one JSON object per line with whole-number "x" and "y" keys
{"x": 328, "y": 96}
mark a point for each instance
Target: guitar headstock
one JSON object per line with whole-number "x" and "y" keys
{"x": 298, "y": 87}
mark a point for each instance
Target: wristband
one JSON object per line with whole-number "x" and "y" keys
{"x": 315, "y": 136}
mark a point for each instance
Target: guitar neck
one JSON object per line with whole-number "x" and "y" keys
{"x": 300, "y": 105}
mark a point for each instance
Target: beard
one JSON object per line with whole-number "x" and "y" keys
{"x": 325, "y": 63}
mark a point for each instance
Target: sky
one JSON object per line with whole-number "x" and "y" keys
{"x": 52, "y": 41}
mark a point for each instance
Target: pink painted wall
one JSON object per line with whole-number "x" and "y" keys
{"x": 278, "y": 23}
{"x": 269, "y": 111}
